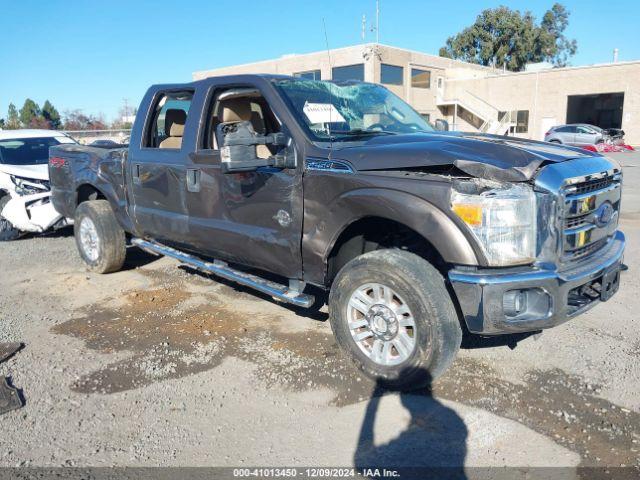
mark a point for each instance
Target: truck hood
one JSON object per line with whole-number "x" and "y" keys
{"x": 35, "y": 172}
{"x": 491, "y": 157}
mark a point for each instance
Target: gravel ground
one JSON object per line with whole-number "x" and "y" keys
{"x": 160, "y": 365}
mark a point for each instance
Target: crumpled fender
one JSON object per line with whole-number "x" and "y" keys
{"x": 405, "y": 208}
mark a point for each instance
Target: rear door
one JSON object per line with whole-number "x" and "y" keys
{"x": 252, "y": 218}
{"x": 157, "y": 169}
{"x": 567, "y": 134}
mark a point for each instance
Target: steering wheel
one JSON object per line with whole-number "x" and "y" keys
{"x": 394, "y": 127}
{"x": 376, "y": 126}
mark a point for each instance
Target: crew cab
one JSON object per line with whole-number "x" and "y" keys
{"x": 296, "y": 186}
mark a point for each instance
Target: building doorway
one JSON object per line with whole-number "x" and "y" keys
{"x": 603, "y": 110}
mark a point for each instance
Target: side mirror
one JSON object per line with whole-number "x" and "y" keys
{"x": 442, "y": 125}
{"x": 238, "y": 151}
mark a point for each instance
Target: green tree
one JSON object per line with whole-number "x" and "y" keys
{"x": 50, "y": 114}
{"x": 13, "y": 118}
{"x": 29, "y": 112}
{"x": 552, "y": 45}
{"x": 504, "y": 37}
{"x": 2, "y": 124}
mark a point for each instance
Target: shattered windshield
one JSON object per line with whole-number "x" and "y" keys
{"x": 26, "y": 151}
{"x": 349, "y": 110}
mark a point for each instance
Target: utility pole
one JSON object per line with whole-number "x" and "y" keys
{"x": 126, "y": 107}
{"x": 377, "y": 21}
{"x": 364, "y": 27}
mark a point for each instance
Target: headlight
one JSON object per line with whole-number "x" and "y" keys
{"x": 501, "y": 217}
{"x": 29, "y": 187}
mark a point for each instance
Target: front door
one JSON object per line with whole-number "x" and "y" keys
{"x": 252, "y": 218}
{"x": 158, "y": 171}
{"x": 585, "y": 136}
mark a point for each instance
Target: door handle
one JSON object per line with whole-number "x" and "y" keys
{"x": 193, "y": 179}
{"x": 136, "y": 173}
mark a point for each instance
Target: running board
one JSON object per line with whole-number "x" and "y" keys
{"x": 292, "y": 294}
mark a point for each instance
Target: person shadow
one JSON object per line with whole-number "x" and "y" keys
{"x": 433, "y": 445}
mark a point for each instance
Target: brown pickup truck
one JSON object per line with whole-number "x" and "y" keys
{"x": 298, "y": 187}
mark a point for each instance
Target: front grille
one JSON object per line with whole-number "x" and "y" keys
{"x": 573, "y": 222}
{"x": 590, "y": 214}
{"x": 591, "y": 185}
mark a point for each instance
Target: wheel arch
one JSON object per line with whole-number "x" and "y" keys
{"x": 425, "y": 228}
{"x": 87, "y": 192}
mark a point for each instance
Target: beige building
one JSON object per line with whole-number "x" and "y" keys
{"x": 475, "y": 98}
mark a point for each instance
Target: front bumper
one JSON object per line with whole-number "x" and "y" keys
{"x": 32, "y": 213}
{"x": 481, "y": 293}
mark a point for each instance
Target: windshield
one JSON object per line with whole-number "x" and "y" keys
{"x": 26, "y": 151}
{"x": 346, "y": 111}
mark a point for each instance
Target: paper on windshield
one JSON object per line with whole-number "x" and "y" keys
{"x": 322, "y": 113}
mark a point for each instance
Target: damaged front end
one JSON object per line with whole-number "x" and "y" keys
{"x": 559, "y": 251}
{"x": 29, "y": 208}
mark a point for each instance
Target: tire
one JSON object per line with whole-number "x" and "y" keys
{"x": 7, "y": 231}
{"x": 99, "y": 238}
{"x": 415, "y": 284}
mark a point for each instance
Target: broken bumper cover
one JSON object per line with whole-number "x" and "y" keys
{"x": 32, "y": 213}
{"x": 529, "y": 300}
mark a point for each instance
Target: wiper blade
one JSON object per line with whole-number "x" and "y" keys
{"x": 358, "y": 132}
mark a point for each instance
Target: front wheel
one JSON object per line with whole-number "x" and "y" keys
{"x": 392, "y": 315}
{"x": 7, "y": 230}
{"x": 99, "y": 238}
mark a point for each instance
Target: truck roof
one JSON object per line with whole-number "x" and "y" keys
{"x": 243, "y": 77}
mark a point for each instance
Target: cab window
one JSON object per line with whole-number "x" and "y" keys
{"x": 167, "y": 122}
{"x": 241, "y": 105}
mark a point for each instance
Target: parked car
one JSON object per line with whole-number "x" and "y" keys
{"x": 25, "y": 197}
{"x": 345, "y": 188}
{"x": 577, "y": 134}
{"x": 106, "y": 143}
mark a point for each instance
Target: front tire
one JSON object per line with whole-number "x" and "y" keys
{"x": 99, "y": 238}
{"x": 7, "y": 231}
{"x": 392, "y": 315}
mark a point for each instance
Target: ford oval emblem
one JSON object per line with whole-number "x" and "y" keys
{"x": 604, "y": 214}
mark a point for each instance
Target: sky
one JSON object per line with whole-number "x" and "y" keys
{"x": 92, "y": 55}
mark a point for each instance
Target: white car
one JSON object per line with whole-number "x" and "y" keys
{"x": 25, "y": 203}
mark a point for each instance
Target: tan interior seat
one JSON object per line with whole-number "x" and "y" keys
{"x": 239, "y": 110}
{"x": 174, "y": 121}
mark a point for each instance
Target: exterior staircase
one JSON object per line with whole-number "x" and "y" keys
{"x": 493, "y": 121}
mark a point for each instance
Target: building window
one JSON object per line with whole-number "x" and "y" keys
{"x": 310, "y": 75}
{"x": 522, "y": 121}
{"x": 348, "y": 72}
{"x": 520, "y": 118}
{"x": 391, "y": 74}
{"x": 420, "y": 78}
{"x": 426, "y": 117}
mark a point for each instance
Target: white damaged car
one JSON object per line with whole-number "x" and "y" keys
{"x": 25, "y": 203}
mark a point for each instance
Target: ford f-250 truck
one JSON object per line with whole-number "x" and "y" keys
{"x": 417, "y": 234}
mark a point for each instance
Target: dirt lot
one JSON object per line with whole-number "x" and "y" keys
{"x": 159, "y": 365}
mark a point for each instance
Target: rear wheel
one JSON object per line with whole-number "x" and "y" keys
{"x": 7, "y": 230}
{"x": 392, "y": 314}
{"x": 99, "y": 238}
